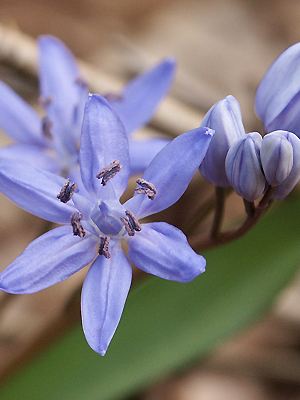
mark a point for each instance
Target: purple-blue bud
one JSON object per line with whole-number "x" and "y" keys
{"x": 243, "y": 167}
{"x": 277, "y": 100}
{"x": 276, "y": 154}
{"x": 225, "y": 119}
{"x": 280, "y": 157}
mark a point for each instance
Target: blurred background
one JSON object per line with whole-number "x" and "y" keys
{"x": 222, "y": 47}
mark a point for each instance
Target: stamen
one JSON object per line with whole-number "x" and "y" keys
{"x": 109, "y": 172}
{"x": 131, "y": 223}
{"x": 47, "y": 127}
{"x": 104, "y": 247}
{"x": 67, "y": 191}
{"x": 145, "y": 187}
{"x": 113, "y": 96}
{"x": 45, "y": 101}
{"x": 81, "y": 82}
{"x": 76, "y": 225}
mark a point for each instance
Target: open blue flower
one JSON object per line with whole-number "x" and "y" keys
{"x": 277, "y": 98}
{"x": 53, "y": 141}
{"x": 96, "y": 223}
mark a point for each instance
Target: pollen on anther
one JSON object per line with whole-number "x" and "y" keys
{"x": 104, "y": 247}
{"x": 109, "y": 172}
{"x": 131, "y": 223}
{"x": 67, "y": 191}
{"x": 110, "y": 96}
{"x": 47, "y": 127}
{"x": 145, "y": 187}
{"x": 78, "y": 229}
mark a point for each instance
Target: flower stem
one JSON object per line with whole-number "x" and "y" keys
{"x": 219, "y": 212}
{"x": 249, "y": 207}
{"x": 250, "y": 221}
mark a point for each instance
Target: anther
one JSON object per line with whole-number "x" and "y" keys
{"x": 76, "y": 225}
{"x": 145, "y": 187}
{"x": 109, "y": 172}
{"x": 45, "y": 101}
{"x": 113, "y": 96}
{"x": 47, "y": 127}
{"x": 131, "y": 223}
{"x": 81, "y": 82}
{"x": 67, "y": 191}
{"x": 104, "y": 247}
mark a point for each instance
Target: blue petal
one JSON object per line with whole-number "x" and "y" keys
{"x": 279, "y": 90}
{"x": 104, "y": 293}
{"x": 288, "y": 185}
{"x": 61, "y": 90}
{"x": 276, "y": 154}
{"x": 36, "y": 156}
{"x": 49, "y": 259}
{"x": 171, "y": 171}
{"x": 103, "y": 140}
{"x": 142, "y": 95}
{"x": 18, "y": 119}
{"x": 163, "y": 250}
{"x": 243, "y": 167}
{"x": 226, "y": 120}
{"x": 58, "y": 73}
{"x": 142, "y": 153}
{"x": 34, "y": 190}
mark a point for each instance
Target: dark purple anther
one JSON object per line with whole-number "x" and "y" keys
{"x": 76, "y": 225}
{"x": 67, "y": 191}
{"x": 46, "y": 127}
{"x": 104, "y": 247}
{"x": 113, "y": 96}
{"x": 45, "y": 101}
{"x": 145, "y": 187}
{"x": 81, "y": 82}
{"x": 109, "y": 172}
{"x": 131, "y": 223}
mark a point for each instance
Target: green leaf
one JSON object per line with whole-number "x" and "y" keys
{"x": 166, "y": 325}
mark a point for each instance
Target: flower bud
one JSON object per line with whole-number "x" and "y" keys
{"x": 276, "y": 156}
{"x": 277, "y": 100}
{"x": 226, "y": 120}
{"x": 287, "y": 163}
{"x": 243, "y": 167}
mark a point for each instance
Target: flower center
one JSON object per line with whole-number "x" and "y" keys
{"x": 106, "y": 216}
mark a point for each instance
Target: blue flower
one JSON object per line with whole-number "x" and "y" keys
{"x": 52, "y": 142}
{"x": 225, "y": 119}
{"x": 280, "y": 158}
{"x": 278, "y": 95}
{"x": 244, "y": 169}
{"x": 96, "y": 223}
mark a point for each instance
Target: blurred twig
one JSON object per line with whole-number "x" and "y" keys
{"x": 20, "y": 52}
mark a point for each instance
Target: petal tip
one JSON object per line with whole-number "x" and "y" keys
{"x": 102, "y": 352}
{"x": 208, "y": 131}
{"x": 169, "y": 62}
{"x": 49, "y": 39}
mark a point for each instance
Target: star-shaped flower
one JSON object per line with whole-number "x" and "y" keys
{"x": 96, "y": 223}
{"x": 52, "y": 142}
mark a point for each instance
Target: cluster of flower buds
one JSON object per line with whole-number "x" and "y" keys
{"x": 254, "y": 163}
{"x": 249, "y": 162}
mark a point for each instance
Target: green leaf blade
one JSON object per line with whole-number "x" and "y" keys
{"x": 166, "y": 324}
